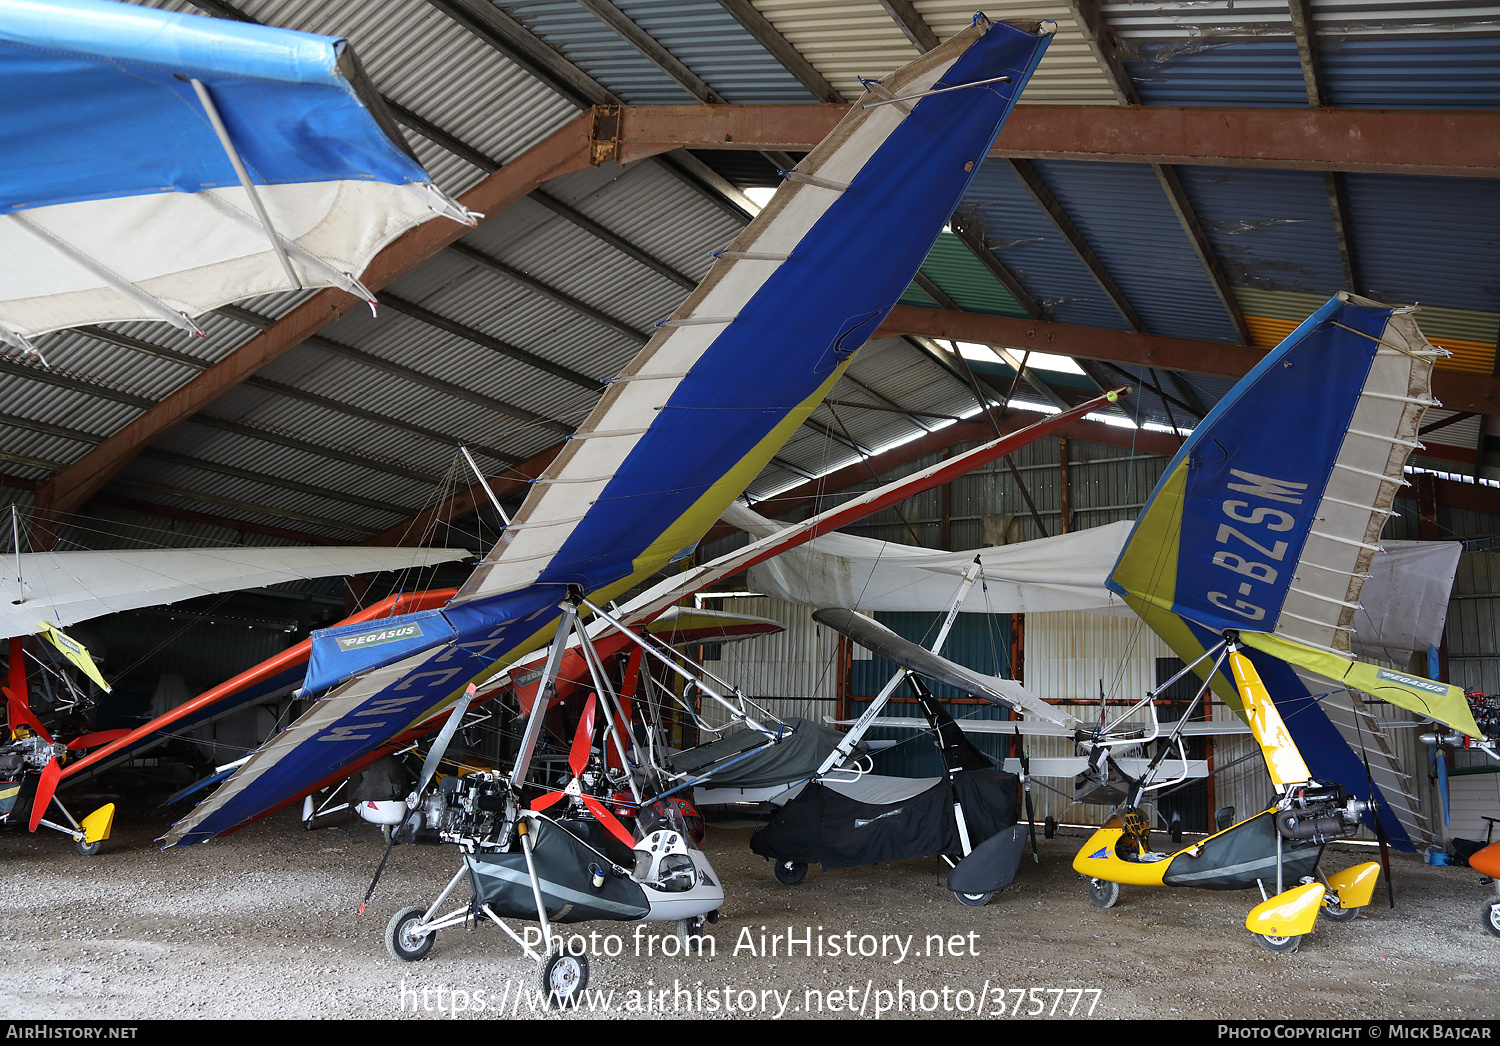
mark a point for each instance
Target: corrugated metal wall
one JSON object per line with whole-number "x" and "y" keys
{"x": 792, "y": 674}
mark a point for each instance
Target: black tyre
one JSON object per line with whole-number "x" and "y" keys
{"x": 562, "y": 977}
{"x": 973, "y": 900}
{"x": 790, "y": 873}
{"x": 1335, "y": 911}
{"x": 401, "y": 940}
{"x": 1490, "y": 917}
{"x": 1279, "y": 944}
{"x": 89, "y": 849}
{"x": 690, "y": 935}
{"x": 1104, "y": 893}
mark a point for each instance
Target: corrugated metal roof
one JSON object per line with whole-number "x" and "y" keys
{"x": 1124, "y": 215}
{"x": 1416, "y": 239}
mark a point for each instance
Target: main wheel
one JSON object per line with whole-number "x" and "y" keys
{"x": 402, "y": 941}
{"x": 1279, "y": 944}
{"x": 1335, "y": 911}
{"x": 790, "y": 873}
{"x": 89, "y": 849}
{"x": 973, "y": 900}
{"x": 562, "y": 978}
{"x": 1490, "y": 917}
{"x": 1104, "y": 893}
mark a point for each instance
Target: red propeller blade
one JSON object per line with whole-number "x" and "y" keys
{"x": 583, "y": 740}
{"x": 609, "y": 820}
{"x": 45, "y": 787}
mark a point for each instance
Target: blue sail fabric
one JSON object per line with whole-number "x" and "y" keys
{"x": 97, "y": 105}
{"x": 119, "y": 200}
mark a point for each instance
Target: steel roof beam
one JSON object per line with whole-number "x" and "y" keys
{"x": 769, "y": 37}
{"x": 563, "y": 151}
{"x": 1457, "y": 391}
{"x": 1454, "y": 142}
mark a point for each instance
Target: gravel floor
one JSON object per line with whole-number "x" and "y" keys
{"x": 264, "y": 924}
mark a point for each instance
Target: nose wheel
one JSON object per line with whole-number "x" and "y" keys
{"x": 1104, "y": 893}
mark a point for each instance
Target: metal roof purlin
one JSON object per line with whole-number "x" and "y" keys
{"x": 912, "y": 24}
{"x": 516, "y": 42}
{"x": 488, "y": 341}
{"x": 1333, "y": 182}
{"x": 1106, "y": 51}
{"x": 651, "y": 48}
{"x": 1074, "y": 239}
{"x": 769, "y": 37}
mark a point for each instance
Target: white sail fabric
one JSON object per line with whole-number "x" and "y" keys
{"x": 1066, "y": 572}
{"x": 63, "y": 588}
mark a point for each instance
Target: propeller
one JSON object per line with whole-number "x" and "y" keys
{"x": 578, "y": 761}
{"x": 1026, "y": 789}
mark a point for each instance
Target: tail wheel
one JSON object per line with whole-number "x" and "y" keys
{"x": 1104, "y": 893}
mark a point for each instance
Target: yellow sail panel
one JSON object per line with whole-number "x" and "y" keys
{"x": 1440, "y": 701}
{"x": 74, "y": 651}
{"x": 1276, "y": 744}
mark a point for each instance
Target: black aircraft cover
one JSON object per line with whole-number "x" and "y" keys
{"x": 564, "y": 866}
{"x": 823, "y": 826}
{"x": 796, "y": 757}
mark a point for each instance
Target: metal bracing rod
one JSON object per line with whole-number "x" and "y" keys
{"x": 862, "y": 724}
{"x": 1221, "y": 648}
{"x": 150, "y": 303}
{"x": 536, "y": 884}
{"x": 605, "y": 692}
{"x": 452, "y": 885}
{"x": 938, "y": 90}
{"x": 238, "y": 164}
{"x": 342, "y": 280}
{"x": 539, "y": 706}
{"x": 484, "y": 483}
{"x": 614, "y": 623}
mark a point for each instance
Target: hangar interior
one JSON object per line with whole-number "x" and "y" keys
{"x": 1181, "y": 185}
